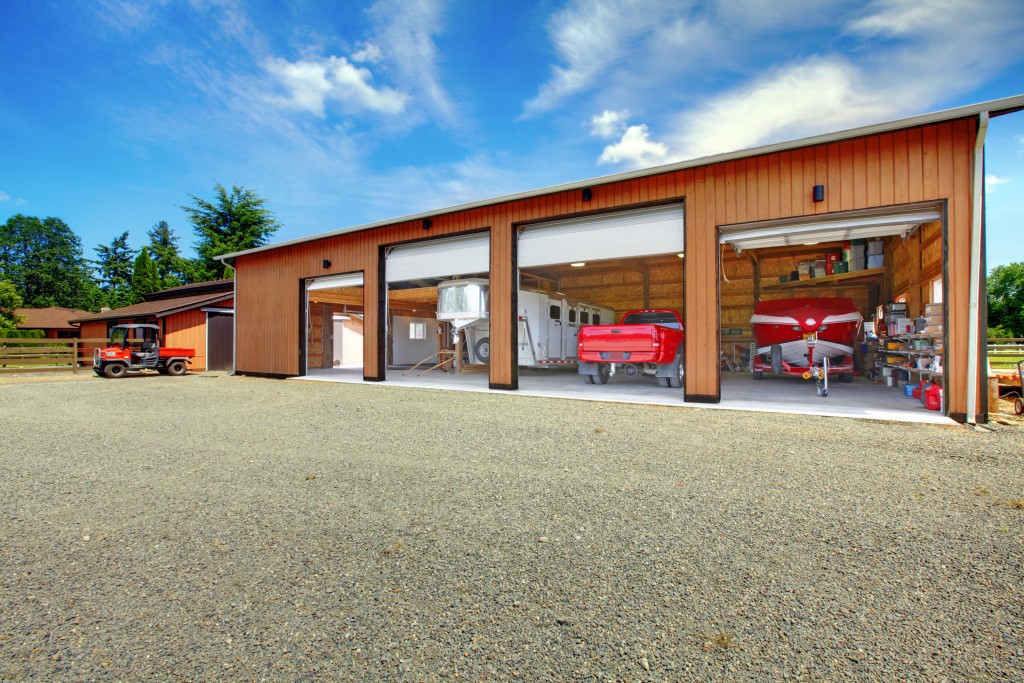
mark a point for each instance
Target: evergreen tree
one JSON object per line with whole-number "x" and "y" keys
{"x": 43, "y": 259}
{"x": 173, "y": 269}
{"x": 115, "y": 269}
{"x": 145, "y": 278}
{"x": 232, "y": 222}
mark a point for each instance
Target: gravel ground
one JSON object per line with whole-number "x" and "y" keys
{"x": 219, "y": 528}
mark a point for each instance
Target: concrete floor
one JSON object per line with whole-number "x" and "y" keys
{"x": 860, "y": 399}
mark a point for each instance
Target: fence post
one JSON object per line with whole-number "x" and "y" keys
{"x": 74, "y": 356}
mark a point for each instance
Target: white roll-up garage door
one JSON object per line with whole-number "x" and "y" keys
{"x": 335, "y": 281}
{"x": 443, "y": 258}
{"x": 645, "y": 232}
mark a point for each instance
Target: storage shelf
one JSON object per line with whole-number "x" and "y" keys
{"x": 873, "y": 273}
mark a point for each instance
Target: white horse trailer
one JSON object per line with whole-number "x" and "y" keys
{"x": 549, "y": 323}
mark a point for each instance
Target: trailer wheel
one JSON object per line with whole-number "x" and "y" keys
{"x": 115, "y": 370}
{"x": 1018, "y": 406}
{"x": 589, "y": 379}
{"x": 483, "y": 349}
{"x": 776, "y": 360}
{"x": 603, "y": 374}
{"x": 676, "y": 381}
{"x": 845, "y": 377}
{"x": 758, "y": 374}
{"x": 176, "y": 368}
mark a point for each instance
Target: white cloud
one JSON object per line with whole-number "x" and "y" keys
{"x": 635, "y": 149}
{"x": 992, "y": 180}
{"x": 4, "y": 196}
{"x": 408, "y": 28}
{"x": 608, "y": 124}
{"x": 813, "y": 97}
{"x": 310, "y": 84}
{"x": 590, "y": 36}
{"x": 1020, "y": 139}
{"x": 368, "y": 52}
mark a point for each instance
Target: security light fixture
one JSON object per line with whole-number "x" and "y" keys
{"x": 819, "y": 193}
{"x": 681, "y": 255}
{"x": 578, "y": 264}
{"x": 426, "y": 224}
{"x": 327, "y": 263}
{"x": 588, "y": 194}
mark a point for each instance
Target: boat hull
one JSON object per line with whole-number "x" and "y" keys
{"x": 793, "y": 335}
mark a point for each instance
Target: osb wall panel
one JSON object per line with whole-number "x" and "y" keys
{"x": 187, "y": 330}
{"x": 925, "y": 163}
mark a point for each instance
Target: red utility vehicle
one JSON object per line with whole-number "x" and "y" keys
{"x": 124, "y": 355}
{"x": 648, "y": 342}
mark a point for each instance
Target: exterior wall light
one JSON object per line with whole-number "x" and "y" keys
{"x": 327, "y": 263}
{"x": 578, "y": 264}
{"x": 588, "y": 194}
{"x": 426, "y": 224}
{"x": 819, "y": 193}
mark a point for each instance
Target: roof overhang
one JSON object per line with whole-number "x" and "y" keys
{"x": 993, "y": 107}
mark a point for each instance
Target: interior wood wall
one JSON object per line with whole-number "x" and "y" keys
{"x": 924, "y": 163}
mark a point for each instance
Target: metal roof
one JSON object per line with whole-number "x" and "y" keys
{"x": 993, "y": 107}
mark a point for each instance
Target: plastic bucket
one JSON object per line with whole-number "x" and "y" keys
{"x": 908, "y": 390}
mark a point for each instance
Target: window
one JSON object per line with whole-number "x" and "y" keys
{"x": 555, "y": 312}
{"x": 572, "y": 315}
{"x": 597, "y": 318}
{"x": 937, "y": 291}
{"x": 417, "y": 330}
{"x": 584, "y": 317}
{"x": 652, "y": 318}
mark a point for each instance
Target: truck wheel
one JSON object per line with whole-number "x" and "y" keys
{"x": 176, "y": 368}
{"x": 676, "y": 381}
{"x": 663, "y": 382}
{"x": 603, "y": 373}
{"x": 776, "y": 360}
{"x": 758, "y": 374}
{"x": 845, "y": 377}
{"x": 589, "y": 379}
{"x": 483, "y": 349}
{"x": 115, "y": 370}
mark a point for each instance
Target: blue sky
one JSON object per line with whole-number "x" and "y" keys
{"x": 341, "y": 113}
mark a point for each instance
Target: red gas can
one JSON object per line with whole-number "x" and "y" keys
{"x": 933, "y": 397}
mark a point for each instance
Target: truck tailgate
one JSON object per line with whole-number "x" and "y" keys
{"x": 618, "y": 342}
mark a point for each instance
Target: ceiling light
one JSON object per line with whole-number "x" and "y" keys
{"x": 578, "y": 264}
{"x": 680, "y": 254}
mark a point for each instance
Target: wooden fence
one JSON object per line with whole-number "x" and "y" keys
{"x": 47, "y": 355}
{"x": 1003, "y": 355}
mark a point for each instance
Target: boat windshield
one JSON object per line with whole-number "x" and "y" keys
{"x": 652, "y": 318}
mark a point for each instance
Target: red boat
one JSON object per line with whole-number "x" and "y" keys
{"x": 795, "y": 336}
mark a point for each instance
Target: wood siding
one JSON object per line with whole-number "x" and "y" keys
{"x": 920, "y": 164}
{"x": 187, "y": 330}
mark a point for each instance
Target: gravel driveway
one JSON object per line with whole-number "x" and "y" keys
{"x": 216, "y": 528}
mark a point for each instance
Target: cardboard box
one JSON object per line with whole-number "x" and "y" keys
{"x": 898, "y": 307}
{"x": 876, "y": 261}
{"x": 933, "y": 309}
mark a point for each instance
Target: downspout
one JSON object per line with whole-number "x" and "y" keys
{"x": 974, "y": 313}
{"x": 234, "y": 316}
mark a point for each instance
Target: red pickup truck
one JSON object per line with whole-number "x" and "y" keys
{"x": 648, "y": 342}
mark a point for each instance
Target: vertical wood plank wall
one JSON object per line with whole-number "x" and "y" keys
{"x": 920, "y": 164}
{"x": 187, "y": 329}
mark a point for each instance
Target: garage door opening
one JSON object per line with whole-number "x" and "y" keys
{"x": 334, "y": 327}
{"x": 590, "y": 271}
{"x": 437, "y": 317}
{"x": 856, "y": 291}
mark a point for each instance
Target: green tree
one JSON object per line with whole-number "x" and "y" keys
{"x": 172, "y": 268}
{"x": 1006, "y": 298}
{"x": 43, "y": 259}
{"x": 145, "y": 278}
{"x": 114, "y": 265}
{"x": 9, "y": 300}
{"x": 233, "y": 222}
